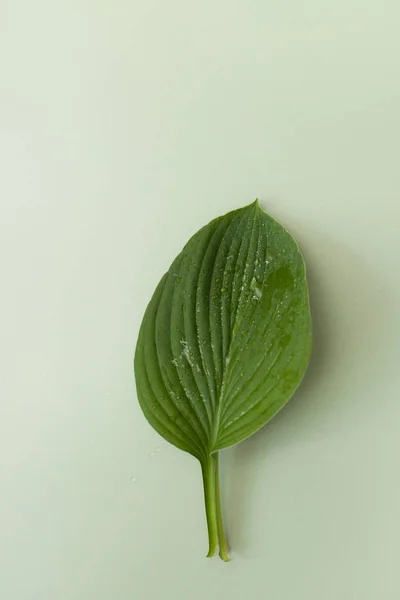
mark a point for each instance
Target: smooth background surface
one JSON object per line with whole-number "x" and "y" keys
{"x": 125, "y": 127}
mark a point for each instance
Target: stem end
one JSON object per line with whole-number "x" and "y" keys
{"x": 225, "y": 557}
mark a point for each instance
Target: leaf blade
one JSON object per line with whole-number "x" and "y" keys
{"x": 232, "y": 330}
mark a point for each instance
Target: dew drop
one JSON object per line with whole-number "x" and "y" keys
{"x": 268, "y": 257}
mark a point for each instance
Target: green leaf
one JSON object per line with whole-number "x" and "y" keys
{"x": 224, "y": 342}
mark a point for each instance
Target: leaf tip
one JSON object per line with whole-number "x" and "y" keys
{"x": 257, "y": 206}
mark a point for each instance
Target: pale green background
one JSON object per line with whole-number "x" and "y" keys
{"x": 125, "y": 127}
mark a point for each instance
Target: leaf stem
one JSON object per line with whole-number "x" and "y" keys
{"x": 223, "y": 544}
{"x": 212, "y": 497}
